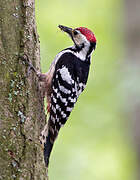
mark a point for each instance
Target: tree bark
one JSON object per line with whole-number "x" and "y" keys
{"x": 22, "y": 113}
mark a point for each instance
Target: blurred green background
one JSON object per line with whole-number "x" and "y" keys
{"x": 96, "y": 142}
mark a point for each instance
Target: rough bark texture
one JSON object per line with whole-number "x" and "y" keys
{"x": 21, "y": 105}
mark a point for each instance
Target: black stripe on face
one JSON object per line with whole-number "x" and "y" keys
{"x": 92, "y": 46}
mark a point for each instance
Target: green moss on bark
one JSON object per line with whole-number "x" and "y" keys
{"x": 21, "y": 106}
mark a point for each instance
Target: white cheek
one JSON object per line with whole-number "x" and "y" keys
{"x": 80, "y": 39}
{"x": 77, "y": 41}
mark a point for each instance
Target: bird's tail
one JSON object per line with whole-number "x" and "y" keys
{"x": 47, "y": 139}
{"x": 47, "y": 150}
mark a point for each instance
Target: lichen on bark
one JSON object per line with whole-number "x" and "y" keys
{"x": 21, "y": 104}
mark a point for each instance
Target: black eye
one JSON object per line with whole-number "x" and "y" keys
{"x": 75, "y": 33}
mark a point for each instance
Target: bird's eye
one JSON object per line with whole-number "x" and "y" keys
{"x": 75, "y": 33}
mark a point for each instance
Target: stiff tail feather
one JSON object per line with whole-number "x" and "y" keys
{"x": 47, "y": 150}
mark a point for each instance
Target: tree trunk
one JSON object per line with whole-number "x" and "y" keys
{"x": 21, "y": 104}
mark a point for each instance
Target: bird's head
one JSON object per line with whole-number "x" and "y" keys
{"x": 81, "y": 36}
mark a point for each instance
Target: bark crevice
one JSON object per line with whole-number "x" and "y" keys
{"x": 22, "y": 113}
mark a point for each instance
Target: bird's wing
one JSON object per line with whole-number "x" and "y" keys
{"x": 63, "y": 97}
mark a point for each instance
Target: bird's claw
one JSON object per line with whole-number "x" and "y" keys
{"x": 30, "y": 66}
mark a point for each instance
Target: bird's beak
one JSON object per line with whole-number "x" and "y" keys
{"x": 66, "y": 29}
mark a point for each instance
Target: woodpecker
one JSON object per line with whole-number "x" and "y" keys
{"x": 64, "y": 82}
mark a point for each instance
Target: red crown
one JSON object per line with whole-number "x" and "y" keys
{"x": 88, "y": 33}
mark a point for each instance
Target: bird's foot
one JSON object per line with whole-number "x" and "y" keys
{"x": 41, "y": 76}
{"x": 30, "y": 66}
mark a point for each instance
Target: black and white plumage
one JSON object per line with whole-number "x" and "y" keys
{"x": 65, "y": 80}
